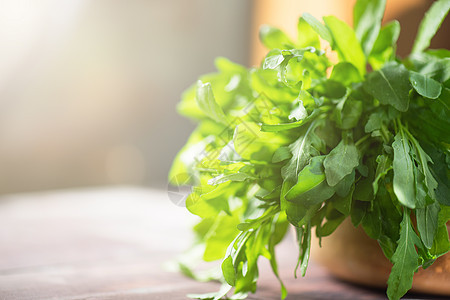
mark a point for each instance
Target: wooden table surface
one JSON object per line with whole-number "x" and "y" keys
{"x": 113, "y": 243}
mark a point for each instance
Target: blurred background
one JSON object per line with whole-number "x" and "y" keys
{"x": 88, "y": 89}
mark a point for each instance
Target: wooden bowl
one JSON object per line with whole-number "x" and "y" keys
{"x": 351, "y": 255}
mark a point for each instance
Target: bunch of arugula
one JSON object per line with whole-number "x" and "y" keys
{"x": 304, "y": 141}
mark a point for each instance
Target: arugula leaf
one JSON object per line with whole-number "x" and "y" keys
{"x": 311, "y": 187}
{"x": 403, "y": 183}
{"x": 375, "y": 121}
{"x": 308, "y": 178}
{"x": 279, "y": 228}
{"x": 273, "y": 59}
{"x": 304, "y": 240}
{"x": 224, "y": 289}
{"x": 348, "y": 113}
{"x": 422, "y": 159}
{"x": 334, "y": 219}
{"x": 372, "y": 222}
{"x": 425, "y": 86}
{"x": 430, "y": 24}
{"x": 390, "y": 85}
{"x": 302, "y": 149}
{"x": 239, "y": 176}
{"x": 383, "y": 50}
{"x": 307, "y": 37}
{"x": 251, "y": 143}
{"x": 427, "y": 223}
{"x": 405, "y": 260}
{"x": 439, "y": 171}
{"x": 274, "y": 38}
{"x": 344, "y": 203}
{"x": 318, "y": 27}
{"x": 345, "y": 43}
{"x": 345, "y": 73}
{"x": 437, "y": 69}
{"x": 367, "y": 15}
{"x": 340, "y": 162}
{"x": 441, "y": 243}
{"x": 207, "y": 103}
{"x": 345, "y": 185}
{"x": 281, "y": 154}
{"x": 384, "y": 165}
{"x": 228, "y": 271}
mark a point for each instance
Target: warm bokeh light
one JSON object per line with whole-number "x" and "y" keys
{"x": 88, "y": 89}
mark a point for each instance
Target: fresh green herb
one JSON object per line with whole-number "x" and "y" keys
{"x": 302, "y": 141}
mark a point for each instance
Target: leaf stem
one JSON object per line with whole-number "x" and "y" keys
{"x": 384, "y": 134}
{"x": 362, "y": 140}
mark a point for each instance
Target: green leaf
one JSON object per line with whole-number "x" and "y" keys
{"x": 430, "y": 24}
{"x": 358, "y": 211}
{"x": 427, "y": 223}
{"x": 422, "y": 159}
{"x": 403, "y": 183}
{"x": 364, "y": 189}
{"x": 302, "y": 151}
{"x": 255, "y": 223}
{"x": 308, "y": 178}
{"x": 311, "y": 187}
{"x": 384, "y": 48}
{"x": 281, "y": 154}
{"x": 340, "y": 162}
{"x": 345, "y": 185}
{"x": 216, "y": 244}
{"x": 330, "y": 226}
{"x": 330, "y": 89}
{"x": 444, "y": 215}
{"x": 344, "y": 204}
{"x": 274, "y": 38}
{"x": 266, "y": 82}
{"x": 230, "y": 177}
{"x": 314, "y": 196}
{"x": 224, "y": 289}
{"x": 422, "y": 199}
{"x": 345, "y": 73}
{"x": 437, "y": 69}
{"x": 372, "y": 222}
{"x": 375, "y": 121}
{"x": 205, "y": 203}
{"x": 425, "y": 86}
{"x": 207, "y": 103}
{"x": 318, "y": 27}
{"x": 439, "y": 171}
{"x": 439, "y": 53}
{"x": 307, "y": 37}
{"x": 367, "y": 16}
{"x": 299, "y": 112}
{"x": 278, "y": 231}
{"x": 384, "y": 165}
{"x": 390, "y": 85}
{"x": 297, "y": 213}
{"x": 345, "y": 43}
{"x": 228, "y": 271}
{"x": 347, "y": 113}
{"x": 441, "y": 243}
{"x": 304, "y": 241}
{"x": 251, "y": 143}
{"x": 273, "y": 59}
{"x": 405, "y": 260}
